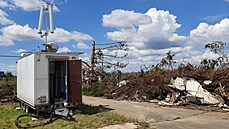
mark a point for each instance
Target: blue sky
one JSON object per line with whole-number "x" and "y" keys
{"x": 151, "y": 27}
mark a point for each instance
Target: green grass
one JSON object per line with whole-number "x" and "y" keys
{"x": 90, "y": 118}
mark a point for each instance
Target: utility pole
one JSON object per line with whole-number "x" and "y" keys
{"x": 92, "y": 59}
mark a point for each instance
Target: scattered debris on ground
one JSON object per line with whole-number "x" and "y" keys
{"x": 180, "y": 87}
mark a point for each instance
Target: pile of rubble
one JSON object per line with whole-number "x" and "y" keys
{"x": 191, "y": 91}
{"x": 172, "y": 88}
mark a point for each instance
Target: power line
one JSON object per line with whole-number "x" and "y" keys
{"x": 101, "y": 44}
{"x": 9, "y": 56}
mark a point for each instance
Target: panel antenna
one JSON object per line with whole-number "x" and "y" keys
{"x": 46, "y": 8}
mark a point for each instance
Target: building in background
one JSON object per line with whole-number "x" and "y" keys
{"x": 1, "y": 73}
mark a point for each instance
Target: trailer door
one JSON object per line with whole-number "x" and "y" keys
{"x": 74, "y": 81}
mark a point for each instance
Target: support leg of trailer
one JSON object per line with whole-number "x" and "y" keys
{"x": 26, "y": 108}
{"x": 23, "y": 106}
{"x": 37, "y": 112}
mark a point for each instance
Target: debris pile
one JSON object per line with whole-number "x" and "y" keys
{"x": 194, "y": 91}
{"x": 177, "y": 87}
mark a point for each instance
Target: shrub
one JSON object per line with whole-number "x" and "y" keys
{"x": 93, "y": 90}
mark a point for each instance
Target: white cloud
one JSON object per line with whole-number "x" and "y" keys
{"x": 150, "y": 35}
{"x": 3, "y": 18}
{"x": 213, "y": 18}
{"x": 17, "y": 32}
{"x": 150, "y": 41}
{"x": 85, "y": 57}
{"x": 205, "y": 33}
{"x": 138, "y": 58}
{"x": 78, "y": 36}
{"x": 226, "y": 0}
{"x": 63, "y": 50}
{"x": 154, "y": 56}
{"x": 5, "y": 42}
{"x": 81, "y": 45}
{"x": 195, "y": 57}
{"x": 5, "y": 4}
{"x": 209, "y": 55}
{"x": 8, "y": 68}
{"x": 125, "y": 19}
{"x": 30, "y": 5}
{"x": 155, "y": 29}
{"x": 61, "y": 35}
{"x": 19, "y": 51}
{"x": 24, "y": 33}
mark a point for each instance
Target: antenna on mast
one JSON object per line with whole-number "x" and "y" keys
{"x": 46, "y": 8}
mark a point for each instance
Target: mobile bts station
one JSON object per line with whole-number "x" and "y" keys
{"x": 44, "y": 77}
{"x": 47, "y": 80}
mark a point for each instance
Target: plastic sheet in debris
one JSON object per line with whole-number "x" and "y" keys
{"x": 195, "y": 89}
{"x": 123, "y": 83}
{"x": 178, "y": 83}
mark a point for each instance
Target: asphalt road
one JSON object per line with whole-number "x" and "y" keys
{"x": 163, "y": 117}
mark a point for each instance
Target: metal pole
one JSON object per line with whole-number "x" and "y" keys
{"x": 46, "y": 33}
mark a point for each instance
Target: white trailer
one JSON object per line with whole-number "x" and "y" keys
{"x": 44, "y": 78}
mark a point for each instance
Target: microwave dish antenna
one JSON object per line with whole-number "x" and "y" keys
{"x": 47, "y": 10}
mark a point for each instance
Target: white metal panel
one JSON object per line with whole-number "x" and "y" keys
{"x": 42, "y": 78}
{"x": 42, "y": 90}
{"x": 25, "y": 79}
{"x": 63, "y": 56}
{"x": 41, "y": 66}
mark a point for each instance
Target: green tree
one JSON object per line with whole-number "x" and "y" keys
{"x": 209, "y": 65}
{"x": 168, "y": 60}
{"x": 8, "y": 87}
{"x": 218, "y": 47}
